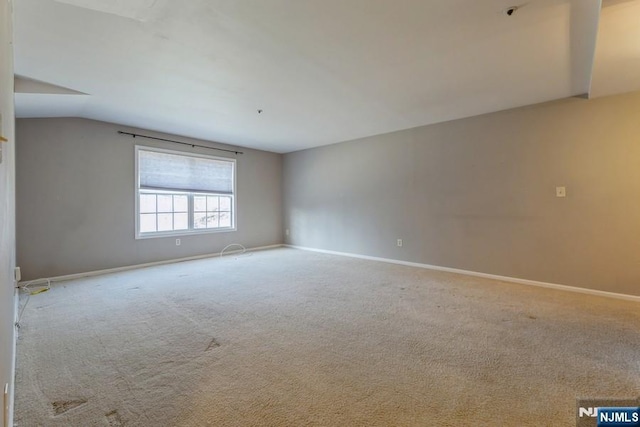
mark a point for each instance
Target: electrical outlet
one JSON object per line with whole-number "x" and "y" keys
{"x": 286, "y": 232}
{"x": 399, "y": 243}
{"x": 561, "y": 192}
{"x": 178, "y": 242}
{"x": 17, "y": 274}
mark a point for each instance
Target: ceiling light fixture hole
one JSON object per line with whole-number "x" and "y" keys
{"x": 510, "y": 10}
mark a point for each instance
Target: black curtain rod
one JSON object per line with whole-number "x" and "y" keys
{"x": 178, "y": 142}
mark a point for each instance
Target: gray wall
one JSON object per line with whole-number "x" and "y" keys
{"x": 479, "y": 194}
{"x": 7, "y": 205}
{"x": 75, "y": 200}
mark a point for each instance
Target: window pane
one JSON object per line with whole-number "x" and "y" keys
{"x": 180, "y": 203}
{"x": 212, "y": 220}
{"x": 147, "y": 203}
{"x": 225, "y": 203}
{"x": 147, "y": 223}
{"x": 181, "y": 221}
{"x": 200, "y": 220}
{"x": 200, "y": 203}
{"x": 165, "y": 203}
{"x": 212, "y": 204}
{"x": 225, "y": 219}
{"x": 165, "y": 222}
{"x": 175, "y": 211}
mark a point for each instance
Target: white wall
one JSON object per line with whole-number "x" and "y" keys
{"x": 7, "y": 202}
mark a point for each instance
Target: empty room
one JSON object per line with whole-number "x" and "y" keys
{"x": 319, "y": 213}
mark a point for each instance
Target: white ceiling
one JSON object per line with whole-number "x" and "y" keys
{"x": 323, "y": 71}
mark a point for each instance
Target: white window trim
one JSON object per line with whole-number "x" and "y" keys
{"x": 191, "y": 231}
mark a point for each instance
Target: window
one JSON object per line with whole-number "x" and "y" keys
{"x": 183, "y": 193}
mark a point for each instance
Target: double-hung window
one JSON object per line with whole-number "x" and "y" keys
{"x": 183, "y": 193}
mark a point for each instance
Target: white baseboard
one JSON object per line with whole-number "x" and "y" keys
{"x": 595, "y": 292}
{"x": 136, "y": 266}
{"x": 8, "y": 415}
{"x": 5, "y": 405}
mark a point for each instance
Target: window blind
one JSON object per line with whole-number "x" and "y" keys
{"x": 165, "y": 171}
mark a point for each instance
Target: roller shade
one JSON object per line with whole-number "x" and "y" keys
{"x": 166, "y": 171}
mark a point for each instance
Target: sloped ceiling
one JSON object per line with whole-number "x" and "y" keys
{"x": 322, "y": 71}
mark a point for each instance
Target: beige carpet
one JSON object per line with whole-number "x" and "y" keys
{"x": 293, "y": 338}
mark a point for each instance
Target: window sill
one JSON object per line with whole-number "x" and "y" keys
{"x": 183, "y": 233}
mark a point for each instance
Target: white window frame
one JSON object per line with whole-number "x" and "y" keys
{"x": 191, "y": 230}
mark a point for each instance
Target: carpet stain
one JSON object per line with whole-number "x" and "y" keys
{"x": 62, "y": 406}
{"x": 114, "y": 419}
{"x": 532, "y": 317}
{"x": 213, "y": 344}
